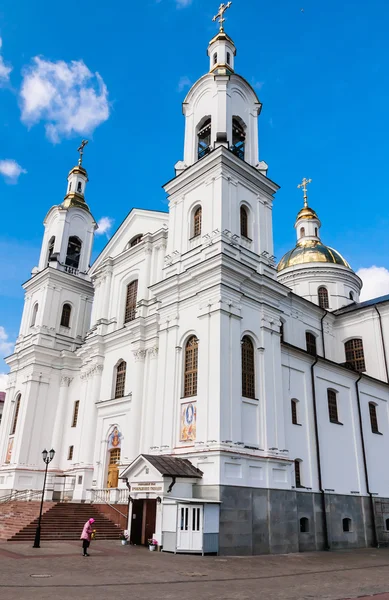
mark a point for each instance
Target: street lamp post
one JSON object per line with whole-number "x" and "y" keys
{"x": 47, "y": 458}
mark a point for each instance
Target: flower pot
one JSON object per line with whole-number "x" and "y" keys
{"x": 152, "y": 548}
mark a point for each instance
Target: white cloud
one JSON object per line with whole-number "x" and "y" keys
{"x": 5, "y": 347}
{"x": 184, "y": 82}
{"x": 104, "y": 224}
{"x": 257, "y": 85}
{"x": 183, "y": 3}
{"x": 68, "y": 97}
{"x": 375, "y": 282}
{"x": 4, "y": 70}
{"x": 3, "y": 381}
{"x": 11, "y": 170}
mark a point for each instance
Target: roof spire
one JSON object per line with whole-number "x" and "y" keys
{"x": 220, "y": 15}
{"x": 303, "y": 186}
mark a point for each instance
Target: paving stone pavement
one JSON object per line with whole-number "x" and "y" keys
{"x": 58, "y": 570}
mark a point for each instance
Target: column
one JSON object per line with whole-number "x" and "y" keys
{"x": 147, "y": 439}
{"x": 59, "y": 422}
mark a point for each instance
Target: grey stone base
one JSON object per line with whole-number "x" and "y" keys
{"x": 262, "y": 521}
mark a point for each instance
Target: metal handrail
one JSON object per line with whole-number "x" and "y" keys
{"x": 95, "y": 493}
{"x": 19, "y": 495}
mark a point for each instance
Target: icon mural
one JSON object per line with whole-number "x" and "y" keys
{"x": 114, "y": 439}
{"x": 188, "y": 422}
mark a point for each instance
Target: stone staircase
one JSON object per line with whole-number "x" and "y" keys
{"x": 61, "y": 521}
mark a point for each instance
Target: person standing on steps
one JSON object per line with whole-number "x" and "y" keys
{"x": 86, "y": 536}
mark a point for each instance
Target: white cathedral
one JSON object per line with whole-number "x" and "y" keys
{"x": 243, "y": 404}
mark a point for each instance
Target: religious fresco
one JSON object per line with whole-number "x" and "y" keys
{"x": 114, "y": 439}
{"x": 9, "y": 450}
{"x": 188, "y": 422}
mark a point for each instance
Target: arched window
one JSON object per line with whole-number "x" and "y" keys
{"x": 120, "y": 379}
{"x": 347, "y": 524}
{"x": 316, "y": 231}
{"x": 65, "y": 317}
{"x": 351, "y": 295}
{"x": 34, "y": 314}
{"x": 191, "y": 367}
{"x": 136, "y": 240}
{"x": 70, "y": 187}
{"x": 332, "y": 406}
{"x": 248, "y": 368}
{"x": 79, "y": 187}
{"x": 197, "y": 215}
{"x": 244, "y": 222}
{"x": 373, "y": 417}
{"x": 132, "y": 292}
{"x": 50, "y": 249}
{"x": 302, "y": 232}
{"x": 204, "y": 139}
{"x": 228, "y": 58}
{"x": 215, "y": 58}
{"x": 73, "y": 252}
{"x": 355, "y": 355}
{"x": 322, "y": 294}
{"x": 238, "y": 137}
{"x": 293, "y": 404}
{"x": 297, "y": 473}
{"x": 310, "y": 341}
{"x": 16, "y": 414}
{"x": 304, "y": 525}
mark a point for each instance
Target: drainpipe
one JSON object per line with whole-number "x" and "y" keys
{"x": 375, "y": 536}
{"x": 322, "y": 333}
{"x": 323, "y": 498}
{"x": 383, "y": 343}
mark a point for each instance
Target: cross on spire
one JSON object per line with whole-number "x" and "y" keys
{"x": 81, "y": 151}
{"x": 220, "y": 15}
{"x": 303, "y": 186}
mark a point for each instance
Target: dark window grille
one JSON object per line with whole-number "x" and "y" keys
{"x": 294, "y": 412}
{"x": 297, "y": 473}
{"x": 322, "y": 293}
{"x": 355, "y": 355}
{"x": 191, "y": 367}
{"x": 120, "y": 379}
{"x": 65, "y": 317}
{"x": 197, "y": 221}
{"x": 204, "y": 139}
{"x": 311, "y": 343}
{"x": 248, "y": 368}
{"x": 238, "y": 139}
{"x": 373, "y": 417}
{"x": 244, "y": 222}
{"x": 132, "y": 292}
{"x": 73, "y": 252}
{"x": 16, "y": 415}
{"x": 75, "y": 413}
{"x": 332, "y": 406}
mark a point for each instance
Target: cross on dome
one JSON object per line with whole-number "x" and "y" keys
{"x": 220, "y": 15}
{"x": 80, "y": 149}
{"x": 303, "y": 186}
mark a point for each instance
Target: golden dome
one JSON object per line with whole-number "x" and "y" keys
{"x": 307, "y": 213}
{"x": 311, "y": 251}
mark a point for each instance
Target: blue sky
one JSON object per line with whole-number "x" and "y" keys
{"x": 319, "y": 67}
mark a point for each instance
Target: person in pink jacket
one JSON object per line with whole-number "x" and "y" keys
{"x": 86, "y": 536}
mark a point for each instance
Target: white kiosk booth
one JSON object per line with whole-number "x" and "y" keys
{"x": 162, "y": 506}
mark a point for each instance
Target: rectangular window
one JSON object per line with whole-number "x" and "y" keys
{"x": 294, "y": 412}
{"x": 75, "y": 413}
{"x": 311, "y": 343}
{"x": 297, "y": 473}
{"x": 132, "y": 292}
{"x": 332, "y": 406}
{"x": 373, "y": 417}
{"x": 70, "y": 452}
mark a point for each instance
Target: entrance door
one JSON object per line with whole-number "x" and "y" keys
{"x": 113, "y": 469}
{"x": 190, "y": 527}
{"x": 143, "y": 521}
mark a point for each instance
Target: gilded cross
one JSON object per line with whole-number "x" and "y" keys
{"x": 303, "y": 185}
{"x": 81, "y": 150}
{"x": 220, "y": 15}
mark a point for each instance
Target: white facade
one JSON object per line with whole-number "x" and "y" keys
{"x": 216, "y": 281}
